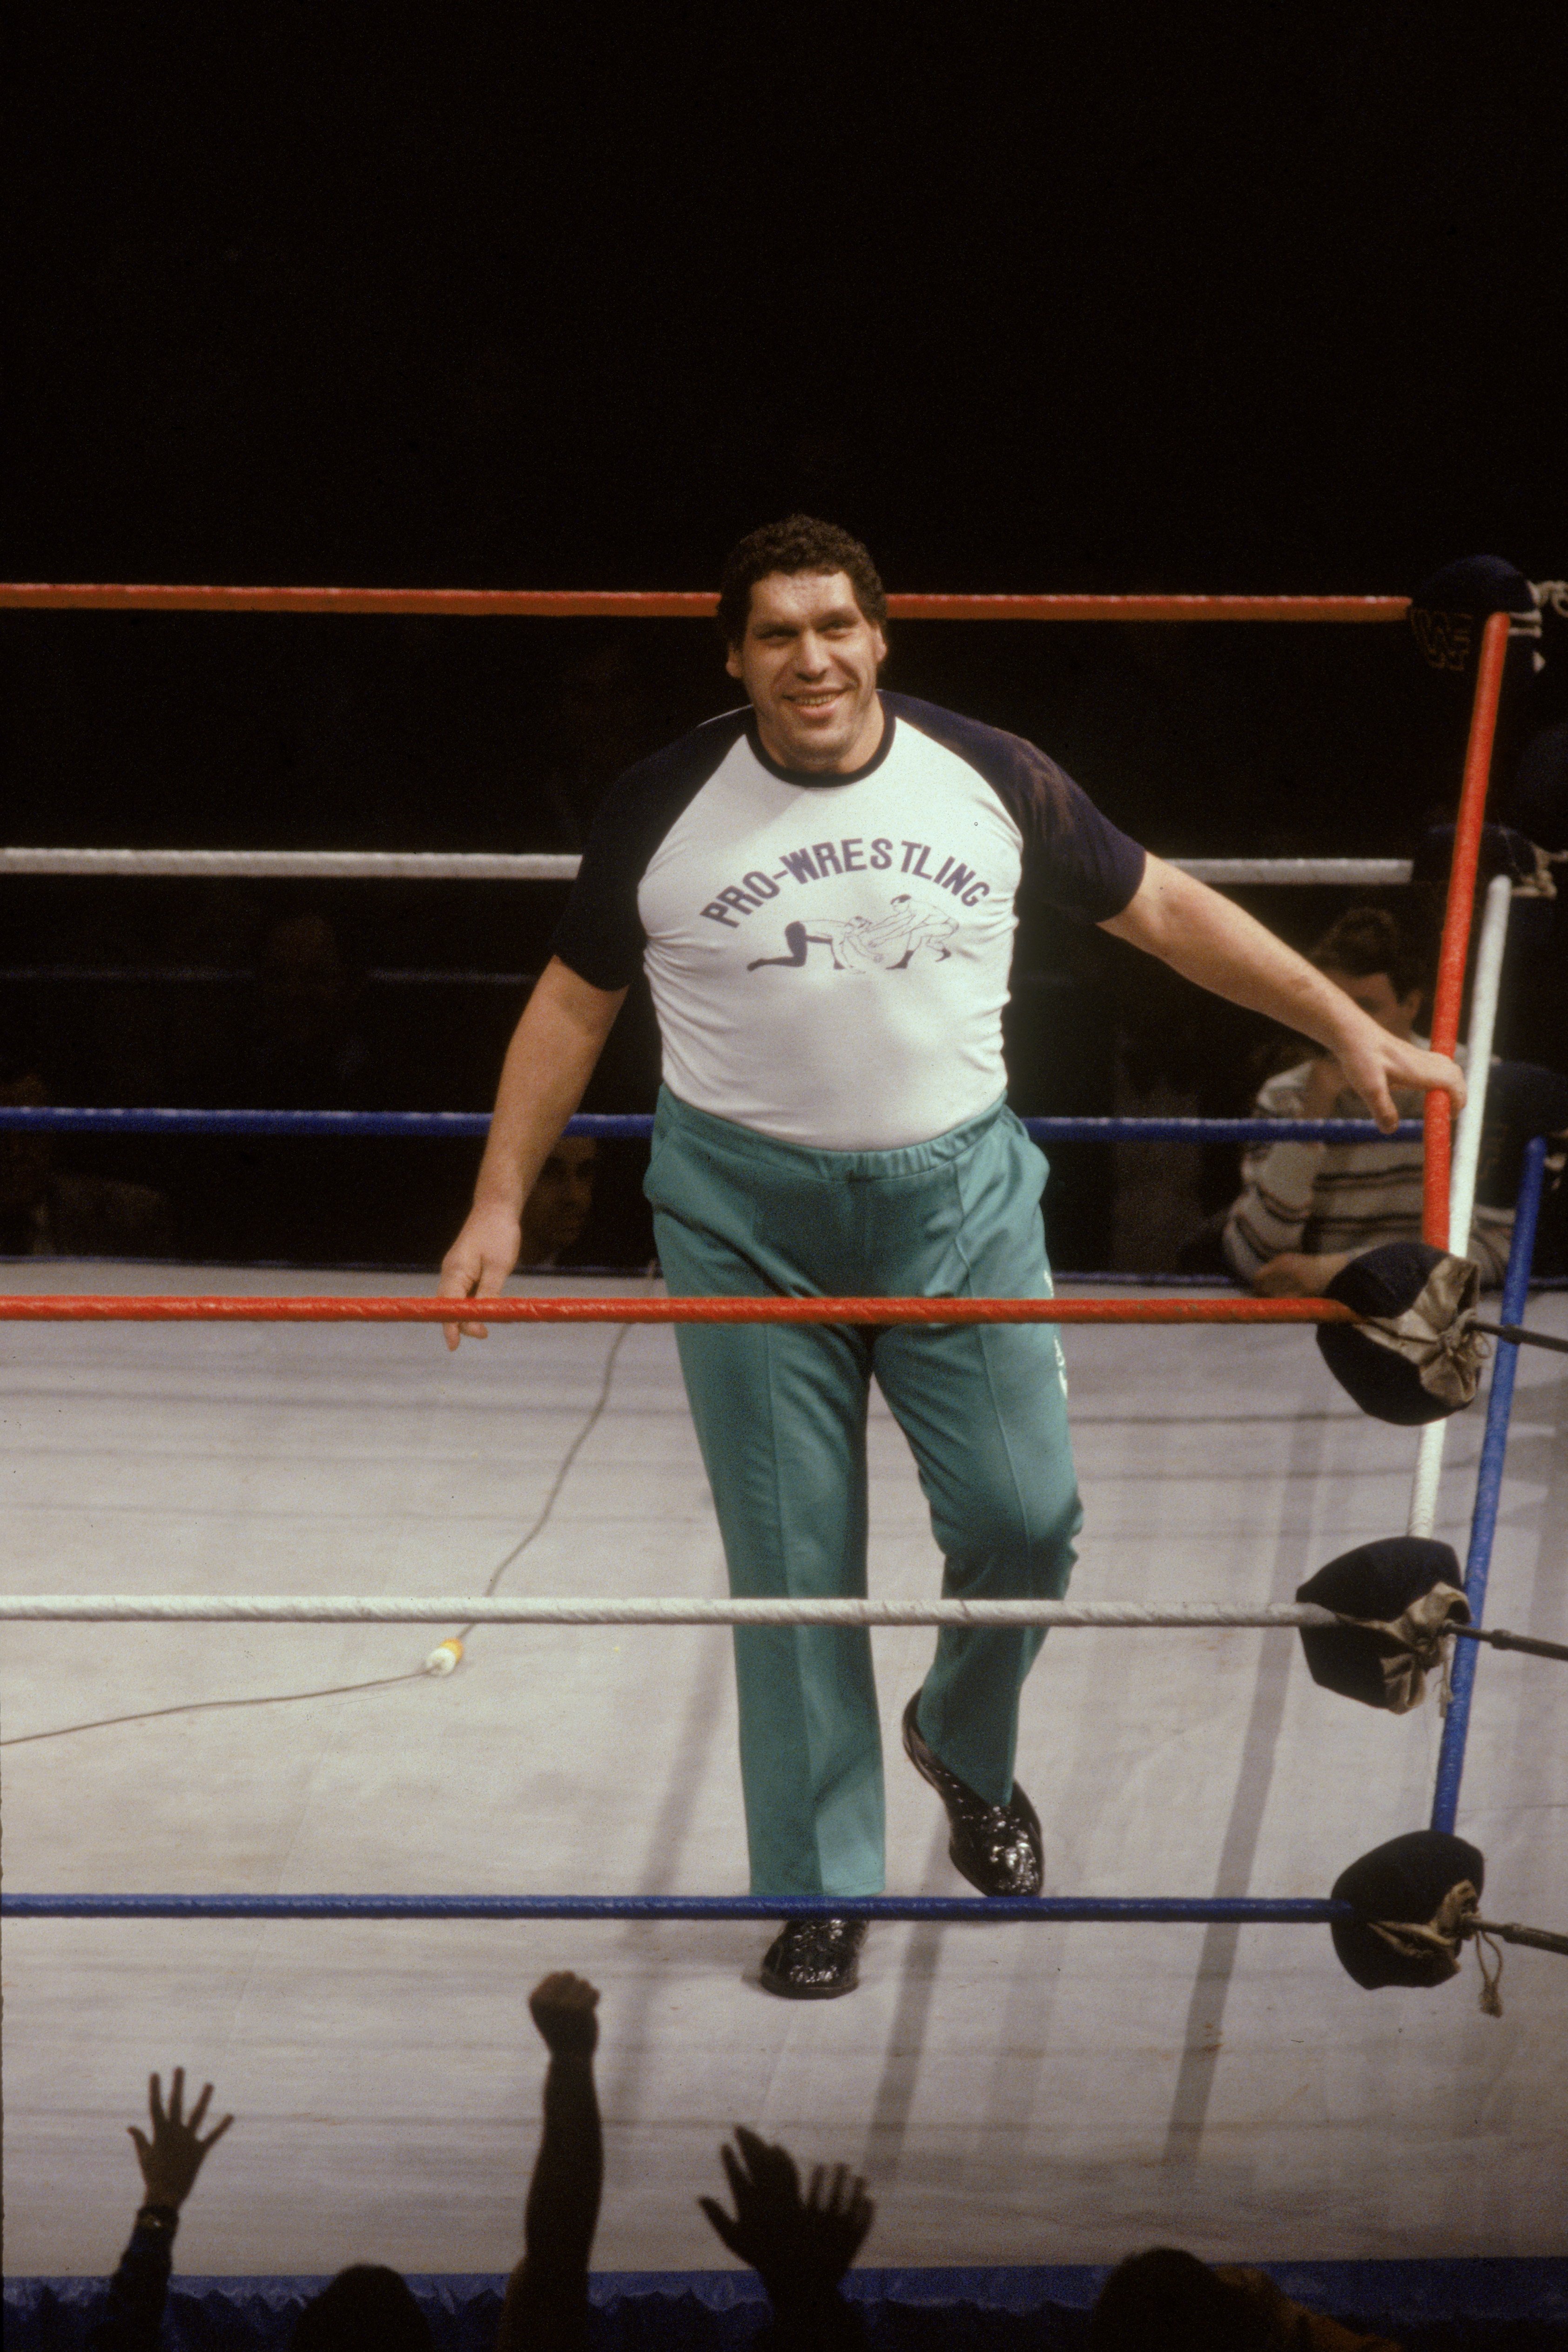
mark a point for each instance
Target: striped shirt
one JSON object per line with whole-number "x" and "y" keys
{"x": 1325, "y": 1198}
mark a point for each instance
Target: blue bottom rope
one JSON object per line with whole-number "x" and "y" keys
{"x": 1488, "y": 1487}
{"x": 998, "y": 1910}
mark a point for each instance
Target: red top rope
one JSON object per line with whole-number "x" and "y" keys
{"x": 555, "y": 604}
{"x": 617, "y": 604}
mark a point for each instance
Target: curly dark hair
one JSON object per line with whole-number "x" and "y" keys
{"x": 1367, "y": 939}
{"x": 1167, "y": 2301}
{"x": 799, "y": 543}
{"x": 365, "y": 2304}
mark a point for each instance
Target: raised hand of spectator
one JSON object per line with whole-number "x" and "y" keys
{"x": 800, "y": 2246}
{"x": 1300, "y": 1274}
{"x": 562, "y": 2006}
{"x": 547, "y": 2294}
{"x": 173, "y": 2157}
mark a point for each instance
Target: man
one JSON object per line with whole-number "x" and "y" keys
{"x": 46, "y": 1213}
{"x": 1307, "y": 1208}
{"x": 560, "y": 1202}
{"x": 834, "y": 1122}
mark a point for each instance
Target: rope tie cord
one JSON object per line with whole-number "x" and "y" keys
{"x": 1457, "y": 1922}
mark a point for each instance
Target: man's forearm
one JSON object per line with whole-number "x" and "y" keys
{"x": 546, "y": 2306}
{"x": 1212, "y": 942}
{"x": 548, "y": 1064}
{"x": 134, "y": 2317}
{"x": 563, "y": 2196}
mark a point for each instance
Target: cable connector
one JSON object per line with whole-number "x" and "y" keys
{"x": 444, "y": 1659}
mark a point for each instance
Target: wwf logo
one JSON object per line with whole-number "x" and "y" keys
{"x": 1445, "y": 638}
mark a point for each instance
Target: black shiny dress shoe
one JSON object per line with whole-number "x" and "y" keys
{"x": 996, "y": 1847}
{"x": 814, "y": 1959}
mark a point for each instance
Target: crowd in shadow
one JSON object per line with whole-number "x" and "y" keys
{"x": 306, "y": 1028}
{"x": 801, "y": 2241}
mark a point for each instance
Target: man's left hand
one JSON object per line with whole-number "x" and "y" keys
{"x": 800, "y": 2246}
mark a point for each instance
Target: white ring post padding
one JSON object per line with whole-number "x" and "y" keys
{"x": 439, "y": 866}
{"x": 394, "y": 1609}
{"x": 1467, "y": 1156}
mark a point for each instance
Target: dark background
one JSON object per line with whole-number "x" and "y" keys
{"x": 1253, "y": 302}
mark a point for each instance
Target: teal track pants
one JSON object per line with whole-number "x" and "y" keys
{"x": 780, "y": 1414}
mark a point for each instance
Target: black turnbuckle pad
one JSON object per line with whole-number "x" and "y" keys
{"x": 1417, "y": 1903}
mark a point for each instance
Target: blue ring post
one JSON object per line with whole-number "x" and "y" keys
{"x": 1489, "y": 1486}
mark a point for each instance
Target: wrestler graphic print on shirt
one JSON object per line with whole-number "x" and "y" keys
{"x": 829, "y": 955}
{"x": 887, "y": 943}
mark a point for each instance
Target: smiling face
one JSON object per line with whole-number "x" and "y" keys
{"x": 808, "y": 661}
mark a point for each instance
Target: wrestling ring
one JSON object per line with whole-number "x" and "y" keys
{"x": 1185, "y": 1322}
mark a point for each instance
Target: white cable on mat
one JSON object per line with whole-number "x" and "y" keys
{"x": 439, "y": 866}
{"x": 1467, "y": 1158}
{"x": 394, "y": 1609}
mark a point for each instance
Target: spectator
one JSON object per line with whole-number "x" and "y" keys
{"x": 608, "y": 713}
{"x": 1307, "y": 1208}
{"x": 366, "y": 2308}
{"x": 1166, "y": 2301}
{"x": 547, "y": 2294}
{"x": 46, "y": 1213}
{"x": 562, "y": 1202}
{"x": 170, "y": 2161}
{"x": 305, "y": 1051}
{"x": 800, "y": 2246}
{"x": 301, "y": 1200}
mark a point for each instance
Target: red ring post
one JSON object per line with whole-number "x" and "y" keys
{"x": 1454, "y": 953}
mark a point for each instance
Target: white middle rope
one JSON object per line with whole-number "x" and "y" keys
{"x": 484, "y": 865}
{"x": 533, "y": 1608}
{"x": 1489, "y": 950}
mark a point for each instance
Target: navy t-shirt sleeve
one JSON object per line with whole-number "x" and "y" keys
{"x": 1074, "y": 859}
{"x": 601, "y": 936}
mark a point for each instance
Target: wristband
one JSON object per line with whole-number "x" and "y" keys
{"x": 157, "y": 2216}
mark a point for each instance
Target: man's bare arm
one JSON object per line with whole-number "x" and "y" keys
{"x": 549, "y": 1062}
{"x": 546, "y": 2307}
{"x": 1210, "y": 940}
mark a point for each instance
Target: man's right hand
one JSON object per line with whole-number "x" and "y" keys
{"x": 562, "y": 2006}
{"x": 800, "y": 2246}
{"x": 478, "y": 1263}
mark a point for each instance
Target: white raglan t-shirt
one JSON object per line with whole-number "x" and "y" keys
{"x": 829, "y": 955}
